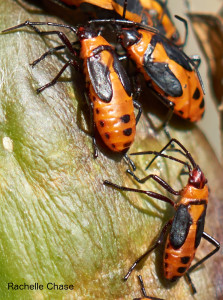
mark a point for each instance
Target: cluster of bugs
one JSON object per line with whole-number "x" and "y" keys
{"x": 149, "y": 36}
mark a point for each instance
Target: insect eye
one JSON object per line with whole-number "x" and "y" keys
{"x": 197, "y": 178}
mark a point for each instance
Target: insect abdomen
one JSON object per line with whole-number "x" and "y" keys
{"x": 116, "y": 123}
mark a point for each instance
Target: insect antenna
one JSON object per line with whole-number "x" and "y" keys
{"x": 185, "y": 151}
{"x": 166, "y": 156}
{"x": 186, "y": 29}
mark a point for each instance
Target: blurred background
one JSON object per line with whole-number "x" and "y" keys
{"x": 210, "y": 124}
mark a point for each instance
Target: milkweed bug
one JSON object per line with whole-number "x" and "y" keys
{"x": 187, "y": 225}
{"x": 167, "y": 69}
{"x": 150, "y": 12}
{"x": 155, "y": 13}
{"x": 111, "y": 101}
{"x": 144, "y": 291}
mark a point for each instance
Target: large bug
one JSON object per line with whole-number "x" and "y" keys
{"x": 187, "y": 225}
{"x": 144, "y": 292}
{"x": 111, "y": 102}
{"x": 167, "y": 69}
{"x": 150, "y": 12}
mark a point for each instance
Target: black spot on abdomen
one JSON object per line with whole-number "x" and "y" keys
{"x": 196, "y": 94}
{"x": 125, "y": 118}
{"x": 181, "y": 270}
{"x": 127, "y": 132}
{"x": 202, "y": 104}
{"x": 102, "y": 123}
{"x": 185, "y": 259}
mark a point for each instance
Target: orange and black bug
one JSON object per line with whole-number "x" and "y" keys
{"x": 151, "y": 12}
{"x": 159, "y": 14}
{"x": 144, "y": 291}
{"x": 111, "y": 102}
{"x": 167, "y": 69}
{"x": 187, "y": 225}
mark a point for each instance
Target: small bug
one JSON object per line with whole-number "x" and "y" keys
{"x": 167, "y": 69}
{"x": 187, "y": 225}
{"x": 111, "y": 101}
{"x": 144, "y": 291}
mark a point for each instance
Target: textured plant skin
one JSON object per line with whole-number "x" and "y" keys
{"x": 59, "y": 223}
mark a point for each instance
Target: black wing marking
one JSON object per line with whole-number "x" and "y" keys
{"x": 161, "y": 74}
{"x": 180, "y": 227}
{"x": 100, "y": 78}
{"x": 172, "y": 51}
{"x": 119, "y": 69}
{"x": 175, "y": 54}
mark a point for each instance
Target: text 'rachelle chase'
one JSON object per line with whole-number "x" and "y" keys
{"x": 36, "y": 286}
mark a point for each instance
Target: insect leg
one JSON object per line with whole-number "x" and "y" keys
{"x": 163, "y": 183}
{"x": 60, "y": 34}
{"x": 50, "y": 52}
{"x": 34, "y": 24}
{"x": 190, "y": 283}
{"x": 214, "y": 242}
{"x": 139, "y": 107}
{"x": 166, "y": 122}
{"x": 144, "y": 291}
{"x": 142, "y": 286}
{"x": 169, "y": 115}
{"x": 148, "y": 193}
{"x": 137, "y": 91}
{"x": 54, "y": 81}
{"x": 157, "y": 243}
{"x": 129, "y": 162}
